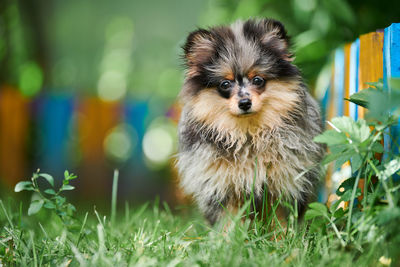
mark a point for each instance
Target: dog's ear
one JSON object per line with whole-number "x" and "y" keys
{"x": 271, "y": 33}
{"x": 275, "y": 35}
{"x": 198, "y": 47}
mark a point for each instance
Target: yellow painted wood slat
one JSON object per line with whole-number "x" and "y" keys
{"x": 14, "y": 123}
{"x": 96, "y": 118}
{"x": 371, "y": 61}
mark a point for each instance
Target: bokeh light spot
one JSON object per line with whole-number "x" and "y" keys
{"x": 158, "y": 145}
{"x": 120, "y": 142}
{"x": 112, "y": 86}
{"x": 30, "y": 79}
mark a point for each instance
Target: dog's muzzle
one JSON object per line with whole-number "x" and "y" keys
{"x": 245, "y": 104}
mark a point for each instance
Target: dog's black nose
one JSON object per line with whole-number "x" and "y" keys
{"x": 245, "y": 104}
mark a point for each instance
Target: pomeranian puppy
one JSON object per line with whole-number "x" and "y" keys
{"x": 247, "y": 122}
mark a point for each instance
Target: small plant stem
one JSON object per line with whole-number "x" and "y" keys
{"x": 114, "y": 196}
{"x": 353, "y": 195}
{"x": 366, "y": 183}
{"x": 342, "y": 242}
{"x": 388, "y": 194}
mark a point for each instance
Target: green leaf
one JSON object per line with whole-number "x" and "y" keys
{"x": 331, "y": 137}
{"x": 319, "y": 207}
{"x": 362, "y": 97}
{"x": 49, "y": 205}
{"x": 50, "y": 191}
{"x": 311, "y": 214}
{"x": 35, "y": 206}
{"x": 59, "y": 200}
{"x": 66, "y": 187}
{"x": 344, "y": 157}
{"x": 377, "y": 147}
{"x": 48, "y": 177}
{"x": 25, "y": 185}
{"x": 339, "y": 213}
{"x": 356, "y": 131}
{"x": 341, "y": 157}
{"x": 346, "y": 196}
{"x": 335, "y": 205}
{"x": 356, "y": 162}
{"x": 346, "y": 185}
{"x": 71, "y": 208}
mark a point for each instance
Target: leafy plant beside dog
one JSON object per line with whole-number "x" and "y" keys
{"x": 372, "y": 191}
{"x": 49, "y": 198}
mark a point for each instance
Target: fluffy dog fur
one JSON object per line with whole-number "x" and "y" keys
{"x": 226, "y": 151}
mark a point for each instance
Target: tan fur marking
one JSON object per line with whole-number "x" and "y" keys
{"x": 269, "y": 108}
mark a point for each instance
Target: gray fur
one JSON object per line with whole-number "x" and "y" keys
{"x": 220, "y": 167}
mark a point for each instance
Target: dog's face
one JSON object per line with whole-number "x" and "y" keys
{"x": 241, "y": 72}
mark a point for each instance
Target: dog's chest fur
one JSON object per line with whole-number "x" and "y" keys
{"x": 217, "y": 168}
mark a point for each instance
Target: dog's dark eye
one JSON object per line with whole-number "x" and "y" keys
{"x": 225, "y": 85}
{"x": 258, "y": 81}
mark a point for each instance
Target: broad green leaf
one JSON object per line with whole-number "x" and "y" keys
{"x": 344, "y": 157}
{"x": 356, "y": 162}
{"x": 35, "y": 206}
{"x": 356, "y": 131}
{"x": 25, "y": 185}
{"x": 346, "y": 196}
{"x": 50, "y": 191}
{"x": 311, "y": 214}
{"x": 339, "y": 213}
{"x": 346, "y": 185}
{"x": 341, "y": 157}
{"x": 331, "y": 137}
{"x": 48, "y": 177}
{"x": 339, "y": 148}
{"x": 362, "y": 97}
{"x": 319, "y": 207}
{"x": 49, "y": 205}
{"x": 335, "y": 205}
{"x": 66, "y": 187}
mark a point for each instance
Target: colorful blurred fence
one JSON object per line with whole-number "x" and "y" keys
{"x": 87, "y": 136}
{"x": 371, "y": 57}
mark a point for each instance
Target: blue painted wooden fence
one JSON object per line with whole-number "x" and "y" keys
{"x": 371, "y": 57}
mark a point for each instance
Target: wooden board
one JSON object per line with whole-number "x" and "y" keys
{"x": 371, "y": 61}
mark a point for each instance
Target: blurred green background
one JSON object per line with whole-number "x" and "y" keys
{"x": 123, "y": 52}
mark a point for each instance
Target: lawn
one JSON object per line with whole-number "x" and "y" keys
{"x": 153, "y": 235}
{"x": 360, "y": 229}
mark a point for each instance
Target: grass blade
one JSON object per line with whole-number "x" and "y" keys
{"x": 114, "y": 196}
{"x": 6, "y": 214}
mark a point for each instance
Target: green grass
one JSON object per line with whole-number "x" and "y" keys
{"x": 365, "y": 233}
{"x": 153, "y": 236}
